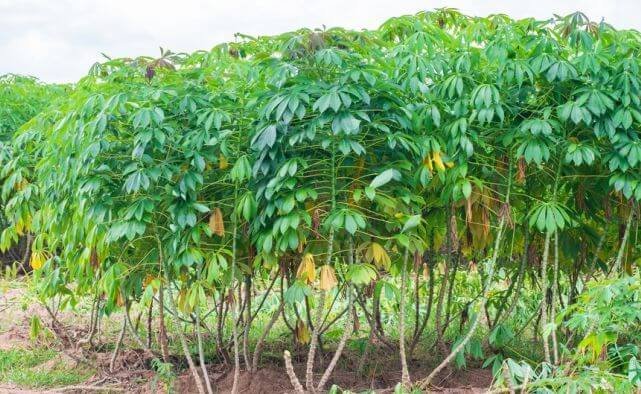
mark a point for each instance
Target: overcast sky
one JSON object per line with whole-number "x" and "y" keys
{"x": 58, "y": 40}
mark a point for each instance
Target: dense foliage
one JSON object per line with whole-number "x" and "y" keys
{"x": 21, "y": 98}
{"x": 333, "y": 164}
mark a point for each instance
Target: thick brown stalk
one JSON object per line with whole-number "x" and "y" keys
{"x": 292, "y": 375}
{"x": 150, "y": 322}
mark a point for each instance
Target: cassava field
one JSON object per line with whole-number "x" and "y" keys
{"x": 444, "y": 204}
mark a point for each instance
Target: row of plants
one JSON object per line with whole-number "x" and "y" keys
{"x": 331, "y": 164}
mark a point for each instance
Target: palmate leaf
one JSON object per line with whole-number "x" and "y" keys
{"x": 264, "y": 138}
{"x": 376, "y": 254}
{"x": 346, "y": 219}
{"x": 297, "y": 292}
{"x": 534, "y": 149}
{"x": 579, "y": 154}
{"x": 550, "y": 217}
{"x": 361, "y": 274}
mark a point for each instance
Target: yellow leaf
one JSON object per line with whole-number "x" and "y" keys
{"x": 302, "y": 333}
{"x": 216, "y": 224}
{"x": 427, "y": 161}
{"x": 307, "y": 268}
{"x": 37, "y": 260}
{"x": 436, "y": 157}
{"x": 222, "y": 162}
{"x": 327, "y": 278}
{"x": 120, "y": 300}
{"x": 19, "y": 226}
{"x": 377, "y": 255}
{"x": 183, "y": 303}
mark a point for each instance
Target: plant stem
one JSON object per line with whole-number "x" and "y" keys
{"x": 199, "y": 339}
{"x": 309, "y": 373}
{"x": 181, "y": 335}
{"x": 544, "y": 290}
{"x": 555, "y": 346}
{"x": 235, "y": 306}
{"x": 624, "y": 241}
{"x": 491, "y": 266}
{"x": 347, "y": 331}
{"x": 405, "y": 375}
{"x": 114, "y": 355}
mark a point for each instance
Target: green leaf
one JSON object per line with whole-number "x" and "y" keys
{"x": 411, "y": 222}
{"x": 384, "y": 177}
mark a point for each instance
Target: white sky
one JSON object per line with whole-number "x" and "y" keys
{"x": 58, "y": 40}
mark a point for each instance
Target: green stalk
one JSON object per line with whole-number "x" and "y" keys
{"x": 544, "y": 276}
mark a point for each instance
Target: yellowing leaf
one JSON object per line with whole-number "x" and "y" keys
{"x": 302, "y": 333}
{"x": 37, "y": 260}
{"x": 377, "y": 255}
{"x": 427, "y": 162}
{"x": 327, "y": 278}
{"x": 307, "y": 268}
{"x": 438, "y": 162}
{"x": 183, "y": 302}
{"x": 222, "y": 162}
{"x": 216, "y": 223}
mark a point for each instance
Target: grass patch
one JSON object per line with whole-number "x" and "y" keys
{"x": 24, "y": 368}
